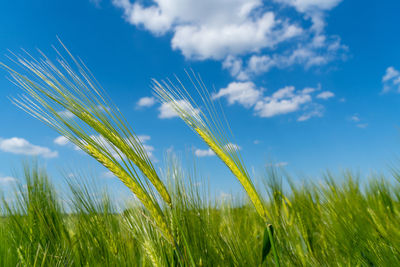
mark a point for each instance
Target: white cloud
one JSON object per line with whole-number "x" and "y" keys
{"x": 96, "y": 3}
{"x": 358, "y": 122}
{"x": 209, "y": 152}
{"x": 283, "y": 101}
{"x": 221, "y": 40}
{"x": 108, "y": 174}
{"x": 144, "y": 138}
{"x": 315, "y": 110}
{"x": 211, "y": 28}
{"x": 66, "y": 114}
{"x": 224, "y": 196}
{"x": 244, "y": 93}
{"x": 167, "y": 110}
{"x": 228, "y": 30}
{"x": 391, "y": 80}
{"x": 231, "y": 146}
{"x": 7, "y": 179}
{"x": 204, "y": 152}
{"x": 391, "y": 73}
{"x": 151, "y": 18}
{"x": 278, "y": 164}
{"x": 260, "y": 64}
{"x": 281, "y": 164}
{"x": 325, "y": 95}
{"x": 319, "y": 51}
{"x": 115, "y": 152}
{"x": 355, "y": 118}
{"x": 146, "y": 102}
{"x": 61, "y": 140}
{"x": 306, "y": 6}
{"x": 362, "y": 125}
{"x": 21, "y": 146}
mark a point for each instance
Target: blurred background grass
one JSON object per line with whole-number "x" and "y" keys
{"x": 326, "y": 224}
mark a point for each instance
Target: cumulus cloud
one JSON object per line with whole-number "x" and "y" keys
{"x": 234, "y": 38}
{"x": 391, "y": 80}
{"x": 283, "y": 101}
{"x": 358, "y": 122}
{"x": 355, "y": 118}
{"x": 208, "y": 152}
{"x": 108, "y": 175}
{"x": 7, "y": 179}
{"x": 315, "y": 110}
{"x": 168, "y": 112}
{"x": 307, "y": 6}
{"x": 277, "y": 164}
{"x": 21, "y": 146}
{"x": 211, "y": 28}
{"x": 115, "y": 152}
{"x": 61, "y": 140}
{"x": 146, "y": 102}
{"x": 325, "y": 95}
{"x": 66, "y": 114}
{"x": 244, "y": 93}
{"x": 204, "y": 153}
{"x": 318, "y": 51}
{"x": 231, "y": 146}
{"x": 249, "y": 36}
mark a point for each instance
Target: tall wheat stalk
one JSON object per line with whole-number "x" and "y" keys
{"x": 215, "y": 132}
{"x": 68, "y": 98}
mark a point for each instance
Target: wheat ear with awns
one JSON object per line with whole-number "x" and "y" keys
{"x": 211, "y": 129}
{"x": 65, "y": 96}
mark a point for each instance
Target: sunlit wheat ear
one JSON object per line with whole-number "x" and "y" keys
{"x": 95, "y": 125}
{"x": 135, "y": 188}
{"x": 209, "y": 127}
{"x": 139, "y": 160}
{"x": 52, "y": 88}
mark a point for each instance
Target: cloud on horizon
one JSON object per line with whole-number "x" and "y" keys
{"x": 391, "y": 80}
{"x": 21, "y": 146}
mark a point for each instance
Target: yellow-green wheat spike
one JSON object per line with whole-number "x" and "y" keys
{"x": 149, "y": 172}
{"x": 244, "y": 180}
{"x": 135, "y": 188}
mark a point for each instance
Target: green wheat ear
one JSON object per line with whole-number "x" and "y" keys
{"x": 135, "y": 188}
{"x": 96, "y": 126}
{"x": 210, "y": 129}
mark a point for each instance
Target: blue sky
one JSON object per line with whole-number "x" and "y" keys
{"x": 306, "y": 84}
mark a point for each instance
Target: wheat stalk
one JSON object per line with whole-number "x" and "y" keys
{"x": 96, "y": 126}
{"x": 135, "y": 188}
{"x": 210, "y": 129}
{"x": 244, "y": 180}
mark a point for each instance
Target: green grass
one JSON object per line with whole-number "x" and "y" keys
{"x": 329, "y": 224}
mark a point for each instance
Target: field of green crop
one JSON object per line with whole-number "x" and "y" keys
{"x": 329, "y": 224}
{"x": 173, "y": 222}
